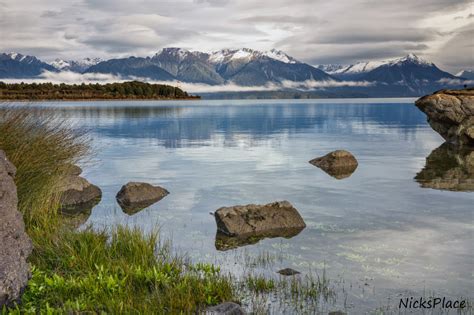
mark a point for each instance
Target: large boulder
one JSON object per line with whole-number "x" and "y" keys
{"x": 135, "y": 196}
{"x": 15, "y": 245}
{"x": 448, "y": 168}
{"x": 76, "y": 193}
{"x": 339, "y": 164}
{"x": 258, "y": 220}
{"x": 451, "y": 114}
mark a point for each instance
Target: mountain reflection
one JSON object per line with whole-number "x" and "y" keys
{"x": 448, "y": 168}
{"x": 187, "y": 125}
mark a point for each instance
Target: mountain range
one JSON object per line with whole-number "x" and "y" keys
{"x": 406, "y": 76}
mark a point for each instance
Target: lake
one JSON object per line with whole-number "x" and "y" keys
{"x": 378, "y": 235}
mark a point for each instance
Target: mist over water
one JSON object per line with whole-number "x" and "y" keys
{"x": 377, "y": 234}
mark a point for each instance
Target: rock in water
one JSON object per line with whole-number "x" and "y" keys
{"x": 74, "y": 170}
{"x": 256, "y": 220}
{"x": 135, "y": 196}
{"x": 15, "y": 245}
{"x": 448, "y": 167}
{"x": 77, "y": 192}
{"x": 288, "y": 272}
{"x": 451, "y": 114}
{"x": 339, "y": 164}
{"x": 226, "y": 308}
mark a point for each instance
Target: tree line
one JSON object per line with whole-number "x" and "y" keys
{"x": 63, "y": 91}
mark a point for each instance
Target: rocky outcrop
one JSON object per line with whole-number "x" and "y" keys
{"x": 339, "y": 164}
{"x": 15, "y": 245}
{"x": 135, "y": 196}
{"x": 448, "y": 168}
{"x": 226, "y": 308}
{"x": 77, "y": 193}
{"x": 256, "y": 221}
{"x": 451, "y": 114}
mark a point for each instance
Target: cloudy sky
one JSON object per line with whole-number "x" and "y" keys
{"x": 313, "y": 31}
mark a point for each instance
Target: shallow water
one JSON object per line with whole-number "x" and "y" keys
{"x": 377, "y": 234}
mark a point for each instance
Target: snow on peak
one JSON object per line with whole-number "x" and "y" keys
{"x": 60, "y": 64}
{"x": 279, "y": 55}
{"x": 17, "y": 56}
{"x": 360, "y": 67}
{"x": 179, "y": 53}
{"x": 411, "y": 58}
{"x": 247, "y": 54}
{"x": 332, "y": 68}
{"x": 366, "y": 66}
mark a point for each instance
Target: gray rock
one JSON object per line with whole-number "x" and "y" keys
{"x": 226, "y": 308}
{"x": 76, "y": 192}
{"x": 255, "y": 220}
{"x": 15, "y": 245}
{"x": 339, "y": 164}
{"x": 288, "y": 272}
{"x": 451, "y": 114}
{"x": 135, "y": 196}
{"x": 74, "y": 170}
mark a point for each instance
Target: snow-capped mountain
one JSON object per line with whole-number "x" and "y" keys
{"x": 466, "y": 74}
{"x": 75, "y": 65}
{"x": 15, "y": 65}
{"x": 358, "y": 69}
{"x": 241, "y": 66}
{"x": 406, "y": 76}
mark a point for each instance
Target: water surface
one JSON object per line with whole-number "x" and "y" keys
{"x": 377, "y": 234}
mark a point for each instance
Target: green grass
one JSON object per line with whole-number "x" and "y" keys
{"x": 123, "y": 271}
{"x": 42, "y": 148}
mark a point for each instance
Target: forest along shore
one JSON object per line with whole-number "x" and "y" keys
{"x": 132, "y": 90}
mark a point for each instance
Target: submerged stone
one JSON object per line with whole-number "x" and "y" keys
{"x": 339, "y": 164}
{"x": 135, "y": 196}
{"x": 226, "y": 308}
{"x": 288, "y": 272}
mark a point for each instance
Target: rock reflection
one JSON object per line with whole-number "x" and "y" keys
{"x": 225, "y": 242}
{"x": 134, "y": 208}
{"x": 448, "y": 168}
{"x": 75, "y": 216}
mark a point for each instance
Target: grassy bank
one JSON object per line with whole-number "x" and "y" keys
{"x": 121, "y": 270}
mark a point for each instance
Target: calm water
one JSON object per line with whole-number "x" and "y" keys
{"x": 377, "y": 234}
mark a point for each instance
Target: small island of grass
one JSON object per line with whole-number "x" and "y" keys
{"x": 132, "y": 90}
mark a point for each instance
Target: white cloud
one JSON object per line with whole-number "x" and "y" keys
{"x": 448, "y": 81}
{"x": 314, "y": 31}
{"x": 78, "y": 78}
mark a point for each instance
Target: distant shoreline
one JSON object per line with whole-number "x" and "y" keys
{"x": 131, "y": 90}
{"x": 97, "y": 99}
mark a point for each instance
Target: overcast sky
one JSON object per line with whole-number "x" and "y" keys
{"x": 313, "y": 31}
